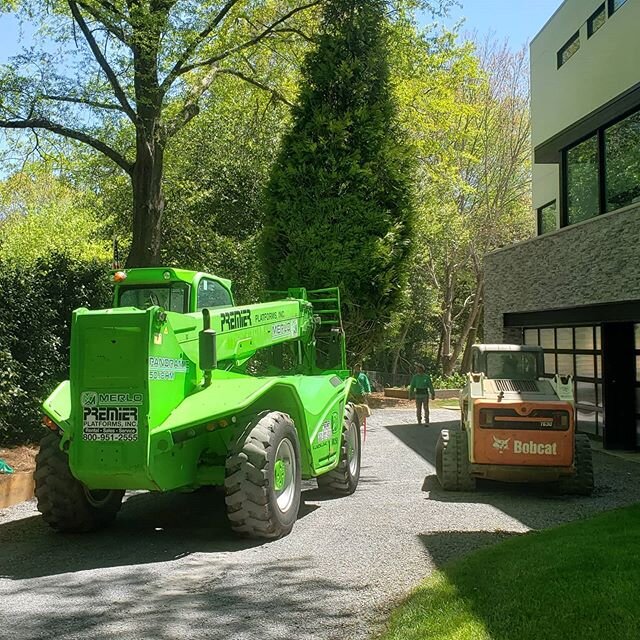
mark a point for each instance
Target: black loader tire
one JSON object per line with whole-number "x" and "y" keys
{"x": 65, "y": 503}
{"x": 580, "y": 484}
{"x": 452, "y": 461}
{"x": 250, "y": 492}
{"x": 343, "y": 480}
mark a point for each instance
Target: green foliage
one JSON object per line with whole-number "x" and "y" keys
{"x": 41, "y": 215}
{"x": 339, "y": 204}
{"x": 215, "y": 186}
{"x": 35, "y": 319}
{"x": 454, "y": 381}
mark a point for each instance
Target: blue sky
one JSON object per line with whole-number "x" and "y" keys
{"x": 515, "y": 20}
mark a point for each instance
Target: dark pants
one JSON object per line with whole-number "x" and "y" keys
{"x": 422, "y": 402}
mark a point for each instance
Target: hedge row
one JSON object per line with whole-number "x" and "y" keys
{"x": 35, "y": 319}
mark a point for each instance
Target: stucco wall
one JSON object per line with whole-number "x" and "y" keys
{"x": 604, "y": 67}
{"x": 595, "y": 262}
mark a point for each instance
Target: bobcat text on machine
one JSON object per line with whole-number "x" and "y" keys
{"x": 175, "y": 387}
{"x": 517, "y": 426}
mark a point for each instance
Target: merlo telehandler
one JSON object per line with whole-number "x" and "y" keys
{"x": 177, "y": 388}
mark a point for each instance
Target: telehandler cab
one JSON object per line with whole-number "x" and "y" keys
{"x": 176, "y": 388}
{"x": 517, "y": 426}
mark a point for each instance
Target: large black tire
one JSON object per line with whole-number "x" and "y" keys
{"x": 64, "y": 502}
{"x": 452, "y": 461}
{"x": 343, "y": 480}
{"x": 580, "y": 484}
{"x": 269, "y": 456}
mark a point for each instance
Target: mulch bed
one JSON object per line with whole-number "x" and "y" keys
{"x": 20, "y": 458}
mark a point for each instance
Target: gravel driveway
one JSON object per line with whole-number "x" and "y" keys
{"x": 171, "y": 569}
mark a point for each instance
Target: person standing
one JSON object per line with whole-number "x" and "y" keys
{"x": 363, "y": 380}
{"x": 421, "y": 388}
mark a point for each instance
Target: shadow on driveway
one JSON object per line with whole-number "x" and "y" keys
{"x": 534, "y": 505}
{"x": 151, "y": 528}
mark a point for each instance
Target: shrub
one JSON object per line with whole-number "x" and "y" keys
{"x": 35, "y": 321}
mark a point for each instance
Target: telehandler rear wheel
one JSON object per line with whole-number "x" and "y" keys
{"x": 64, "y": 502}
{"x": 581, "y": 484}
{"x": 263, "y": 479}
{"x": 452, "y": 461}
{"x": 343, "y": 480}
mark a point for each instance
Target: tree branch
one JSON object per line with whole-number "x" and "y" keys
{"x": 84, "y": 101}
{"x": 249, "y": 43}
{"x": 43, "y": 123}
{"x": 298, "y": 32}
{"x": 256, "y": 83}
{"x": 113, "y": 80}
{"x": 190, "y": 50}
{"x": 111, "y": 27}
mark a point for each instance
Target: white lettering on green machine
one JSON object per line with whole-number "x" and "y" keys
{"x": 166, "y": 368}
{"x": 325, "y": 433}
{"x": 288, "y": 329}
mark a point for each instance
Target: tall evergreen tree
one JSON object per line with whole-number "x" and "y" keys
{"x": 339, "y": 204}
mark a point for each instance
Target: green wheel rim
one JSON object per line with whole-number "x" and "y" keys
{"x": 284, "y": 475}
{"x": 352, "y": 448}
{"x": 279, "y": 475}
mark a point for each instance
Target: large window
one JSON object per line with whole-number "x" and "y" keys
{"x": 583, "y": 181}
{"x": 602, "y": 174}
{"x": 622, "y": 163}
{"x": 577, "y": 351}
{"x": 547, "y": 218}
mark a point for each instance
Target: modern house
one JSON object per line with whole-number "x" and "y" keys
{"x": 575, "y": 288}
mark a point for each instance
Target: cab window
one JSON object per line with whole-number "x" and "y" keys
{"x": 172, "y": 297}
{"x": 212, "y": 294}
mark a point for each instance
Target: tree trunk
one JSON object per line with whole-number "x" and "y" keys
{"x": 148, "y": 203}
{"x": 465, "y": 367}
{"x": 473, "y": 318}
{"x": 399, "y": 347}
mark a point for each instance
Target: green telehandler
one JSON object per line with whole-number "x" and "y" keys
{"x": 177, "y": 388}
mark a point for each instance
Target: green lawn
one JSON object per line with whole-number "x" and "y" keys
{"x": 580, "y": 581}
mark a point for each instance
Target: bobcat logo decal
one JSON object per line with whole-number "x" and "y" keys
{"x": 501, "y": 445}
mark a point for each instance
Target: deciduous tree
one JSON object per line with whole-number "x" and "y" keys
{"x": 125, "y": 76}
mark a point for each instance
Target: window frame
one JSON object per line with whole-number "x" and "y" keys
{"x": 571, "y": 41}
{"x": 221, "y": 285}
{"x": 170, "y": 285}
{"x": 539, "y": 215}
{"x": 564, "y": 215}
{"x": 601, "y": 10}
{"x": 611, "y": 6}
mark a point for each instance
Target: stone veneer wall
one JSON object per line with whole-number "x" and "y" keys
{"x": 594, "y": 262}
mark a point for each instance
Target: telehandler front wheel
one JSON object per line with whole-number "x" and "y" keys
{"x": 263, "y": 479}
{"x": 343, "y": 480}
{"x": 64, "y": 502}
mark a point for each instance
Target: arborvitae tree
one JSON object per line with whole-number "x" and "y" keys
{"x": 339, "y": 204}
